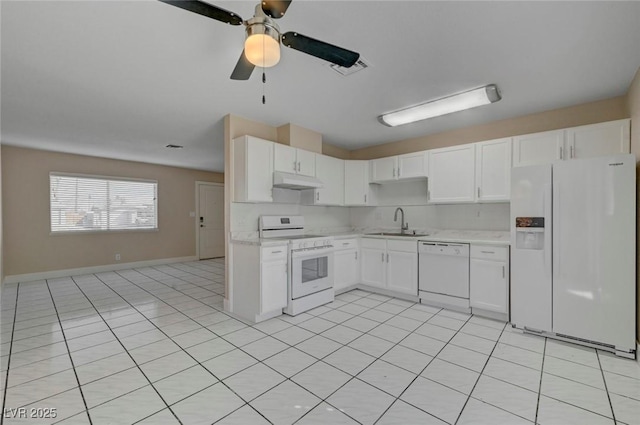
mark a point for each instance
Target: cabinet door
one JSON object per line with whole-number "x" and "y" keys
{"x": 330, "y": 171}
{"x": 273, "y": 290}
{"x": 373, "y": 265}
{"x": 384, "y": 169}
{"x": 412, "y": 165}
{"x": 402, "y": 272}
{"x": 284, "y": 158}
{"x": 493, "y": 170}
{"x": 306, "y": 162}
{"x": 259, "y": 170}
{"x": 602, "y": 139}
{"x": 488, "y": 285}
{"x": 346, "y": 268}
{"x": 356, "y": 182}
{"x": 538, "y": 148}
{"x": 452, "y": 174}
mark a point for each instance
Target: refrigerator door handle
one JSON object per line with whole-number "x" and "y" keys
{"x": 553, "y": 235}
{"x": 547, "y": 203}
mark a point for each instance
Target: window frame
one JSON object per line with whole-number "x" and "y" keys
{"x": 103, "y": 231}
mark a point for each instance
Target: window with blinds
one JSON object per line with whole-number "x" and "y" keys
{"x": 94, "y": 203}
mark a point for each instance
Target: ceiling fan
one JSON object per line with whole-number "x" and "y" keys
{"x": 263, "y": 36}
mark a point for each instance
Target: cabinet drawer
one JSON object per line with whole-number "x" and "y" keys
{"x": 402, "y": 246}
{"x": 274, "y": 253}
{"x": 340, "y": 244}
{"x": 373, "y": 243}
{"x": 487, "y": 252}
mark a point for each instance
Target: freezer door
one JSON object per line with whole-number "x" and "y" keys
{"x": 531, "y": 247}
{"x": 594, "y": 250}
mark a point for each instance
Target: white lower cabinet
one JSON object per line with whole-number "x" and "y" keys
{"x": 489, "y": 278}
{"x": 259, "y": 281}
{"x": 346, "y": 264}
{"x": 390, "y": 264}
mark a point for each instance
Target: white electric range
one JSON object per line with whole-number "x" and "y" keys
{"x": 310, "y": 277}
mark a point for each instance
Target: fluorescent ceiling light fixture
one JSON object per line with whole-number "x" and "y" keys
{"x": 446, "y": 105}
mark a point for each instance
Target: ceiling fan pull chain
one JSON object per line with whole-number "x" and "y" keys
{"x": 264, "y": 81}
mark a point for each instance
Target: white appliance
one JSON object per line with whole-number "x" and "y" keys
{"x": 573, "y": 251}
{"x": 310, "y": 277}
{"x": 443, "y": 274}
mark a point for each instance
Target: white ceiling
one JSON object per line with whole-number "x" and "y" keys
{"x": 124, "y": 79}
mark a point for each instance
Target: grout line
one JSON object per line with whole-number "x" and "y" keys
{"x": 544, "y": 355}
{"x": 84, "y": 401}
{"x": 606, "y": 388}
{"x": 6, "y": 380}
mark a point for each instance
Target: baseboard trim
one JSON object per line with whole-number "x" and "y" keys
{"x": 53, "y": 274}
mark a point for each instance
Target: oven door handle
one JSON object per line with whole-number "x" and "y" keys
{"x": 312, "y": 252}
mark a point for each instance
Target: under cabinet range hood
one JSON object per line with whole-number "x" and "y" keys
{"x": 295, "y": 181}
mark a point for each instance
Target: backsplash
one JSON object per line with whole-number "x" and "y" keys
{"x": 460, "y": 216}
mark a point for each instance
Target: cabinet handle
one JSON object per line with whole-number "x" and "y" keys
{"x": 561, "y": 149}
{"x": 345, "y": 243}
{"x": 478, "y": 193}
{"x": 398, "y": 171}
{"x": 428, "y": 195}
{"x": 394, "y": 171}
{"x": 356, "y": 255}
{"x": 276, "y": 252}
{"x": 488, "y": 252}
{"x": 382, "y": 259}
{"x": 298, "y": 165}
{"x": 503, "y": 271}
{"x": 571, "y": 151}
{"x": 317, "y": 196}
{"x": 365, "y": 199}
{"x": 294, "y": 166}
{"x": 387, "y": 257}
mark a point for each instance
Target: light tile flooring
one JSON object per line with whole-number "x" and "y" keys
{"x": 152, "y": 346}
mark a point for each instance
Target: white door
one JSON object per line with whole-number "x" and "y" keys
{"x": 493, "y": 170}
{"x": 488, "y": 287}
{"x": 602, "y": 139}
{"x": 345, "y": 267}
{"x": 594, "y": 249}
{"x": 373, "y": 266}
{"x": 356, "y": 182}
{"x": 306, "y": 162}
{"x": 384, "y": 169}
{"x": 210, "y": 220}
{"x": 452, "y": 174}
{"x": 330, "y": 171}
{"x": 402, "y": 272}
{"x": 284, "y": 158}
{"x": 538, "y": 148}
{"x": 273, "y": 291}
{"x": 412, "y": 165}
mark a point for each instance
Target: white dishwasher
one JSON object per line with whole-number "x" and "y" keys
{"x": 443, "y": 274}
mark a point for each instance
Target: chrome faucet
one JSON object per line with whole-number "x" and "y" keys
{"x": 403, "y": 226}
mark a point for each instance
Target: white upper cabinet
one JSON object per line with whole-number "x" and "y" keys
{"x": 384, "y": 169}
{"x": 493, "y": 170}
{"x": 452, "y": 175}
{"x": 356, "y": 183}
{"x": 599, "y": 139}
{"x": 401, "y": 167}
{"x": 538, "y": 148}
{"x": 330, "y": 171}
{"x": 252, "y": 169}
{"x": 412, "y": 165}
{"x": 294, "y": 160}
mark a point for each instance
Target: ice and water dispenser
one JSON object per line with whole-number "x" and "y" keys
{"x": 530, "y": 233}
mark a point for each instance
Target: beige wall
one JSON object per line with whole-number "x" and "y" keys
{"x": 588, "y": 113}
{"x": 335, "y": 151}
{"x": 29, "y": 247}
{"x": 633, "y": 103}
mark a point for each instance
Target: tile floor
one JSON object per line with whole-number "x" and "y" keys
{"x": 152, "y": 346}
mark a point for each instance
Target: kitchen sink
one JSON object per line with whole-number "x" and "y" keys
{"x": 411, "y": 235}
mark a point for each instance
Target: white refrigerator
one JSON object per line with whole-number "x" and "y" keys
{"x": 573, "y": 251}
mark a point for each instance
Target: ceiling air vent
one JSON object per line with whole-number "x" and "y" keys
{"x": 358, "y": 66}
{"x": 174, "y": 146}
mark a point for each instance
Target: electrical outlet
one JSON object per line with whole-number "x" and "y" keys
{"x": 117, "y": 257}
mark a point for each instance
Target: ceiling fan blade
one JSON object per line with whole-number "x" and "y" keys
{"x": 243, "y": 68}
{"x": 206, "y": 9}
{"x": 275, "y": 8}
{"x": 320, "y": 49}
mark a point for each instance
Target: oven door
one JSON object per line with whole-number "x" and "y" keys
{"x": 311, "y": 271}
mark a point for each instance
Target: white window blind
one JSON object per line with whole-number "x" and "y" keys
{"x": 93, "y": 203}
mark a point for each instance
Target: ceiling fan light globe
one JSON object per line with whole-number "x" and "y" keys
{"x": 262, "y": 50}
